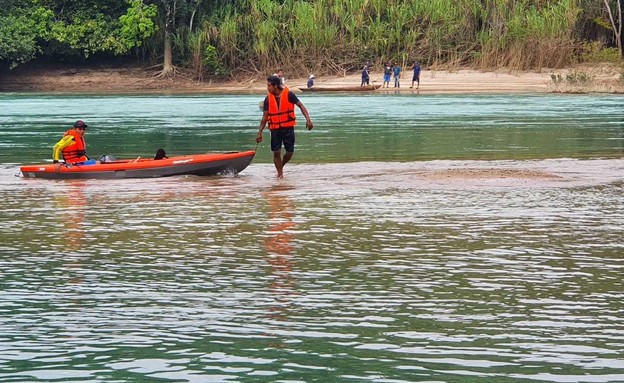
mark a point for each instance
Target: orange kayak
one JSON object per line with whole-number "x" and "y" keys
{"x": 195, "y": 164}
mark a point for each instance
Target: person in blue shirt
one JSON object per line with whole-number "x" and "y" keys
{"x": 387, "y": 74}
{"x": 416, "y": 77}
{"x": 311, "y": 81}
{"x": 396, "y": 70}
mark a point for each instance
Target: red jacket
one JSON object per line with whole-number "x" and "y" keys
{"x": 284, "y": 116}
{"x": 77, "y": 152}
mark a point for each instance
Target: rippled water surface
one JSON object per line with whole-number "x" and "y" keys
{"x": 414, "y": 239}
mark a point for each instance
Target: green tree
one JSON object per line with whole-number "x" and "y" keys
{"x": 18, "y": 42}
{"x": 136, "y": 25}
{"x": 21, "y": 28}
{"x": 72, "y": 28}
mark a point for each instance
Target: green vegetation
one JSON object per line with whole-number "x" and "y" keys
{"x": 595, "y": 52}
{"x": 322, "y": 36}
{"x": 572, "y": 78}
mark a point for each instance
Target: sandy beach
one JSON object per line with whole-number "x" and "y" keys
{"x": 140, "y": 80}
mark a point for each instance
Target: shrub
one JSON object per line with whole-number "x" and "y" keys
{"x": 578, "y": 78}
{"x": 595, "y": 52}
{"x": 212, "y": 63}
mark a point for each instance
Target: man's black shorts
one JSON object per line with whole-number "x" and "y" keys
{"x": 284, "y": 136}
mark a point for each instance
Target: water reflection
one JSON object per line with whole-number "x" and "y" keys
{"x": 279, "y": 248}
{"x": 70, "y": 207}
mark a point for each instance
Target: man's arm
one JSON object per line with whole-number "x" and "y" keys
{"x": 303, "y": 109}
{"x": 265, "y": 118}
{"x": 59, "y": 146}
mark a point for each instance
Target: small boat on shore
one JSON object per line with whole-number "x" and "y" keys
{"x": 352, "y": 88}
{"x": 209, "y": 164}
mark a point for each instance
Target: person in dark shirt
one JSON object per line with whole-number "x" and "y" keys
{"x": 416, "y": 77}
{"x": 365, "y": 75}
{"x": 279, "y": 112}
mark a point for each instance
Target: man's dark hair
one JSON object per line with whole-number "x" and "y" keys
{"x": 274, "y": 80}
{"x": 160, "y": 154}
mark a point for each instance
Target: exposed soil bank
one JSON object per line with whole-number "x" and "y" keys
{"x": 141, "y": 80}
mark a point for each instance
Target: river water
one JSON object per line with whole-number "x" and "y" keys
{"x": 414, "y": 238}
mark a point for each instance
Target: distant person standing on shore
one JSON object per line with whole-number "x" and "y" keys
{"x": 387, "y": 73}
{"x": 416, "y": 77}
{"x": 310, "y": 83}
{"x": 279, "y": 112}
{"x": 365, "y": 75}
{"x": 280, "y": 74}
{"x": 396, "y": 70}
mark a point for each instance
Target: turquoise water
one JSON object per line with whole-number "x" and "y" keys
{"x": 348, "y": 128}
{"x": 413, "y": 239}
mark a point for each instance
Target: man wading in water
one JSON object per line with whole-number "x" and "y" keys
{"x": 279, "y": 112}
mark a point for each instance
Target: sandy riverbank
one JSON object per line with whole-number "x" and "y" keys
{"x": 140, "y": 80}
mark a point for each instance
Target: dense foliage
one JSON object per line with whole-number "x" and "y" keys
{"x": 238, "y": 36}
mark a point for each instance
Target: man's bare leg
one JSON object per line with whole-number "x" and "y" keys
{"x": 279, "y": 165}
{"x": 286, "y": 158}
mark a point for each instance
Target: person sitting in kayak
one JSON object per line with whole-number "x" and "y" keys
{"x": 73, "y": 147}
{"x": 160, "y": 154}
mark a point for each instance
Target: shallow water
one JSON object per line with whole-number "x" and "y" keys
{"x": 480, "y": 256}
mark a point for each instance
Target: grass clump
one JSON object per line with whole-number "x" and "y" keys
{"x": 595, "y": 51}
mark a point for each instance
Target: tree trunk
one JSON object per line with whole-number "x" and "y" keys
{"x": 168, "y": 68}
{"x": 191, "y": 22}
{"x": 621, "y": 30}
{"x": 615, "y": 17}
{"x": 168, "y": 63}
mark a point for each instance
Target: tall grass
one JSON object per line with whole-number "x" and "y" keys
{"x": 530, "y": 37}
{"x": 334, "y": 36}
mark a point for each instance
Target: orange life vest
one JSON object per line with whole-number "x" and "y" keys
{"x": 282, "y": 116}
{"x": 76, "y": 152}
